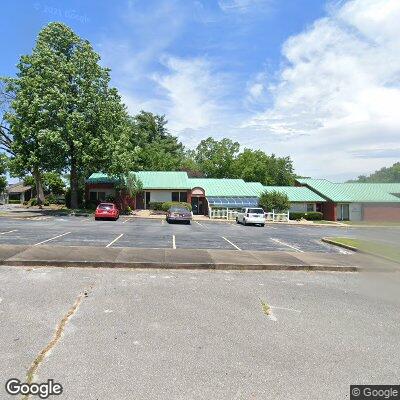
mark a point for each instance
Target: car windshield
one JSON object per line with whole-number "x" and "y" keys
{"x": 255, "y": 211}
{"x": 178, "y": 209}
{"x": 105, "y": 206}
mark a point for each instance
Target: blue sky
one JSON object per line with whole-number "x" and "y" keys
{"x": 312, "y": 79}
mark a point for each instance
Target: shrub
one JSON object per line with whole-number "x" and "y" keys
{"x": 309, "y": 216}
{"x": 32, "y": 202}
{"x": 14, "y": 201}
{"x": 156, "y": 205}
{"x": 110, "y": 198}
{"x": 51, "y": 199}
{"x": 167, "y": 205}
{"x": 274, "y": 200}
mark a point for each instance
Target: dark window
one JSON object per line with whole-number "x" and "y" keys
{"x": 310, "y": 207}
{"x": 101, "y": 196}
{"x": 183, "y": 196}
{"x": 175, "y": 196}
{"x": 93, "y": 196}
{"x": 147, "y": 199}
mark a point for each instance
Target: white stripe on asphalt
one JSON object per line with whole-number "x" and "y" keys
{"x": 173, "y": 242}
{"x": 125, "y": 220}
{"x": 55, "y": 237}
{"x": 288, "y": 245}
{"x": 109, "y": 244}
{"x": 234, "y": 245}
{"x": 198, "y": 223}
{"x": 14, "y": 230}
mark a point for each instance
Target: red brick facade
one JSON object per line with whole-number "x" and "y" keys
{"x": 381, "y": 212}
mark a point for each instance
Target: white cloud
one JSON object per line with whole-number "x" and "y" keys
{"x": 337, "y": 97}
{"x": 192, "y": 93}
{"x": 244, "y": 6}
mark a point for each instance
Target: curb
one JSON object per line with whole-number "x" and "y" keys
{"x": 344, "y": 246}
{"x": 191, "y": 266}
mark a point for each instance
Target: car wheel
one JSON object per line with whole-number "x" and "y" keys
{"x": 96, "y": 219}
{"x": 168, "y": 220}
{"x": 262, "y": 225}
{"x": 237, "y": 220}
{"x": 244, "y": 222}
{"x": 188, "y": 222}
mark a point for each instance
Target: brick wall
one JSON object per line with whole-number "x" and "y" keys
{"x": 329, "y": 211}
{"x": 381, "y": 212}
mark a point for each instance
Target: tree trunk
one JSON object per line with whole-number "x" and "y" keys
{"x": 74, "y": 185}
{"x": 39, "y": 186}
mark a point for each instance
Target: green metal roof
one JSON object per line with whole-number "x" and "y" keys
{"x": 354, "y": 192}
{"x": 297, "y": 193}
{"x": 226, "y": 187}
{"x": 99, "y": 177}
{"x": 164, "y": 179}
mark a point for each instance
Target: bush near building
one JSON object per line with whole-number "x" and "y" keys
{"x": 309, "y": 216}
{"x": 168, "y": 204}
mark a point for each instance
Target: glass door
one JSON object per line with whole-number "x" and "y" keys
{"x": 344, "y": 213}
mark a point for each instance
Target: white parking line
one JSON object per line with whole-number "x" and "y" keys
{"x": 55, "y": 237}
{"x": 173, "y": 242}
{"x": 125, "y": 220}
{"x": 109, "y": 244}
{"x": 234, "y": 245}
{"x": 162, "y": 222}
{"x": 288, "y": 245}
{"x": 14, "y": 230}
{"x": 198, "y": 223}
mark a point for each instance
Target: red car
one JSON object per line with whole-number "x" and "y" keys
{"x": 106, "y": 210}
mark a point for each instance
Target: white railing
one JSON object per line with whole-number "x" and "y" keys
{"x": 277, "y": 217}
{"x": 222, "y": 213}
{"x": 226, "y": 213}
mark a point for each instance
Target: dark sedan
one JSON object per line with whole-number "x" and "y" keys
{"x": 179, "y": 214}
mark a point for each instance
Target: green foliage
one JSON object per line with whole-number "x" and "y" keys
{"x": 216, "y": 158}
{"x": 65, "y": 116}
{"x": 68, "y": 197}
{"x": 384, "y": 175}
{"x": 133, "y": 184}
{"x": 167, "y": 205}
{"x": 274, "y": 200}
{"x": 3, "y": 169}
{"x": 257, "y": 166}
{"x": 14, "y": 201}
{"x": 156, "y": 206}
{"x": 52, "y": 182}
{"x": 309, "y": 216}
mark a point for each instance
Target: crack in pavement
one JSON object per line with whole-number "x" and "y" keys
{"x": 55, "y": 339}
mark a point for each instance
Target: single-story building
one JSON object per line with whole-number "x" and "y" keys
{"x": 18, "y": 192}
{"x": 204, "y": 194}
{"x": 356, "y": 201}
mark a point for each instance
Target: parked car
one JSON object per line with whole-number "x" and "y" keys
{"x": 179, "y": 214}
{"x": 106, "y": 210}
{"x": 251, "y": 215}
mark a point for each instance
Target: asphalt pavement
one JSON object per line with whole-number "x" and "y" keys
{"x": 140, "y": 334}
{"x": 154, "y": 233}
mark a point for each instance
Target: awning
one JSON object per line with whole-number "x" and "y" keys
{"x": 233, "y": 202}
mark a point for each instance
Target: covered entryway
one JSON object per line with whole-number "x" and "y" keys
{"x": 198, "y": 201}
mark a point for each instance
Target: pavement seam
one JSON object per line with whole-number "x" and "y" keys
{"x": 30, "y": 376}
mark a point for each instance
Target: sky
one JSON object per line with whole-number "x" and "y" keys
{"x": 315, "y": 80}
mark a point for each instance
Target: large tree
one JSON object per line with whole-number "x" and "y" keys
{"x": 66, "y": 117}
{"x": 383, "y": 175}
{"x": 3, "y": 168}
{"x": 216, "y": 158}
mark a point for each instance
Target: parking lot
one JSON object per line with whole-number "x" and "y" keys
{"x": 155, "y": 233}
{"x": 142, "y": 334}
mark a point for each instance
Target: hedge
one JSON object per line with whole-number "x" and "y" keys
{"x": 14, "y": 201}
{"x": 156, "y": 205}
{"x": 167, "y": 205}
{"x": 309, "y": 216}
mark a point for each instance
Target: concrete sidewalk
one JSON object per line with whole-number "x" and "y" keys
{"x": 123, "y": 257}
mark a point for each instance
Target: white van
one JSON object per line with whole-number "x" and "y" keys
{"x": 251, "y": 215}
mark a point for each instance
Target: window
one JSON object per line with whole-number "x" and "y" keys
{"x": 183, "y": 196}
{"x": 175, "y": 196}
{"x": 310, "y": 207}
{"x": 147, "y": 199}
{"x": 95, "y": 196}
